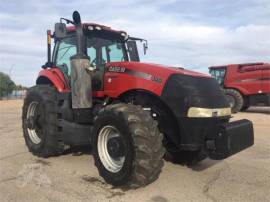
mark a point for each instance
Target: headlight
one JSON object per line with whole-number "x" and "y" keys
{"x": 197, "y": 112}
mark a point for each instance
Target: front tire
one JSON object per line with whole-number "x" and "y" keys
{"x": 127, "y": 146}
{"x": 39, "y": 121}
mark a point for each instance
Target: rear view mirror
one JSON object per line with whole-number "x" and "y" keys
{"x": 145, "y": 47}
{"x": 60, "y": 30}
{"x": 133, "y": 51}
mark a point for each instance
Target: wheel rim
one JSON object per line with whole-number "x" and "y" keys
{"x": 108, "y": 138}
{"x": 32, "y": 117}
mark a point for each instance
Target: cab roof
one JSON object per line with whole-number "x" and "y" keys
{"x": 94, "y": 26}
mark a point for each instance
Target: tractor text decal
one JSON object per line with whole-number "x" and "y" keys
{"x": 117, "y": 69}
{"x": 134, "y": 73}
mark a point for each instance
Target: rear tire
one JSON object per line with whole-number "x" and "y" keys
{"x": 39, "y": 122}
{"x": 235, "y": 100}
{"x": 142, "y": 151}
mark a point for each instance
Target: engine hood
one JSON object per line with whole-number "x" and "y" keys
{"x": 181, "y": 89}
{"x": 157, "y": 70}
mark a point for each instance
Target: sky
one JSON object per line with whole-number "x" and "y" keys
{"x": 194, "y": 34}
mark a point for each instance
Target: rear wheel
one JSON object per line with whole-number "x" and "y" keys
{"x": 39, "y": 121}
{"x": 235, "y": 100}
{"x": 127, "y": 146}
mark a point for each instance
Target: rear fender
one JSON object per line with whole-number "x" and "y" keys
{"x": 53, "y": 76}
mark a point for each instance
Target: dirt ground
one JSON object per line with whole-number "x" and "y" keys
{"x": 73, "y": 177}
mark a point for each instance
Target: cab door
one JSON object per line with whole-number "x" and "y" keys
{"x": 98, "y": 58}
{"x": 64, "y": 49}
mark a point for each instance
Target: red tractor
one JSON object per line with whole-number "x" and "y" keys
{"x": 244, "y": 84}
{"x": 94, "y": 91}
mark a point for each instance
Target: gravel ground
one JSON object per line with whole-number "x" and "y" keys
{"x": 73, "y": 176}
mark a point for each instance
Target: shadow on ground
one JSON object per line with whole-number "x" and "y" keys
{"x": 78, "y": 150}
{"x": 196, "y": 166}
{"x": 262, "y": 110}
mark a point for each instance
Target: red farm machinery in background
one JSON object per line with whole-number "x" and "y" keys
{"x": 244, "y": 84}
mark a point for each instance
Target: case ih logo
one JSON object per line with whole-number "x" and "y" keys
{"x": 117, "y": 69}
{"x": 134, "y": 73}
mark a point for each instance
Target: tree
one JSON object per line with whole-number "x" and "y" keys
{"x": 6, "y": 85}
{"x": 20, "y": 87}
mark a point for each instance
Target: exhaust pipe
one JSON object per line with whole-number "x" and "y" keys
{"x": 81, "y": 78}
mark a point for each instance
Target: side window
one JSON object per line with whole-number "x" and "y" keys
{"x": 92, "y": 53}
{"x": 212, "y": 72}
{"x": 104, "y": 55}
{"x": 66, "y": 49}
{"x": 219, "y": 75}
{"x": 116, "y": 53}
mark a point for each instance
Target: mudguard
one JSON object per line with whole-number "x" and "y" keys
{"x": 55, "y": 76}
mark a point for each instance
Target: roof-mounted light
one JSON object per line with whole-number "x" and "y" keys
{"x": 90, "y": 28}
{"x": 124, "y": 35}
{"x": 98, "y": 28}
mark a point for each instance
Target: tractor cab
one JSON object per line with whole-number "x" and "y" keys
{"x": 218, "y": 73}
{"x": 100, "y": 44}
{"x": 108, "y": 47}
{"x": 81, "y": 52}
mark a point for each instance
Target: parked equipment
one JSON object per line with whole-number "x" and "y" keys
{"x": 244, "y": 84}
{"x": 95, "y": 91}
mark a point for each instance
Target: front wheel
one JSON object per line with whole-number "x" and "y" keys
{"x": 39, "y": 121}
{"x": 127, "y": 146}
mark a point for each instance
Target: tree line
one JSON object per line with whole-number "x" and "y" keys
{"x": 7, "y": 86}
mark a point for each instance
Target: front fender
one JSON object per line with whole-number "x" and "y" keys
{"x": 54, "y": 76}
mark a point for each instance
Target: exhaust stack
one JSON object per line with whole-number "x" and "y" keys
{"x": 81, "y": 78}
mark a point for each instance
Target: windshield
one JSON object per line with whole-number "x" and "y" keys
{"x": 99, "y": 50}
{"x": 219, "y": 75}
